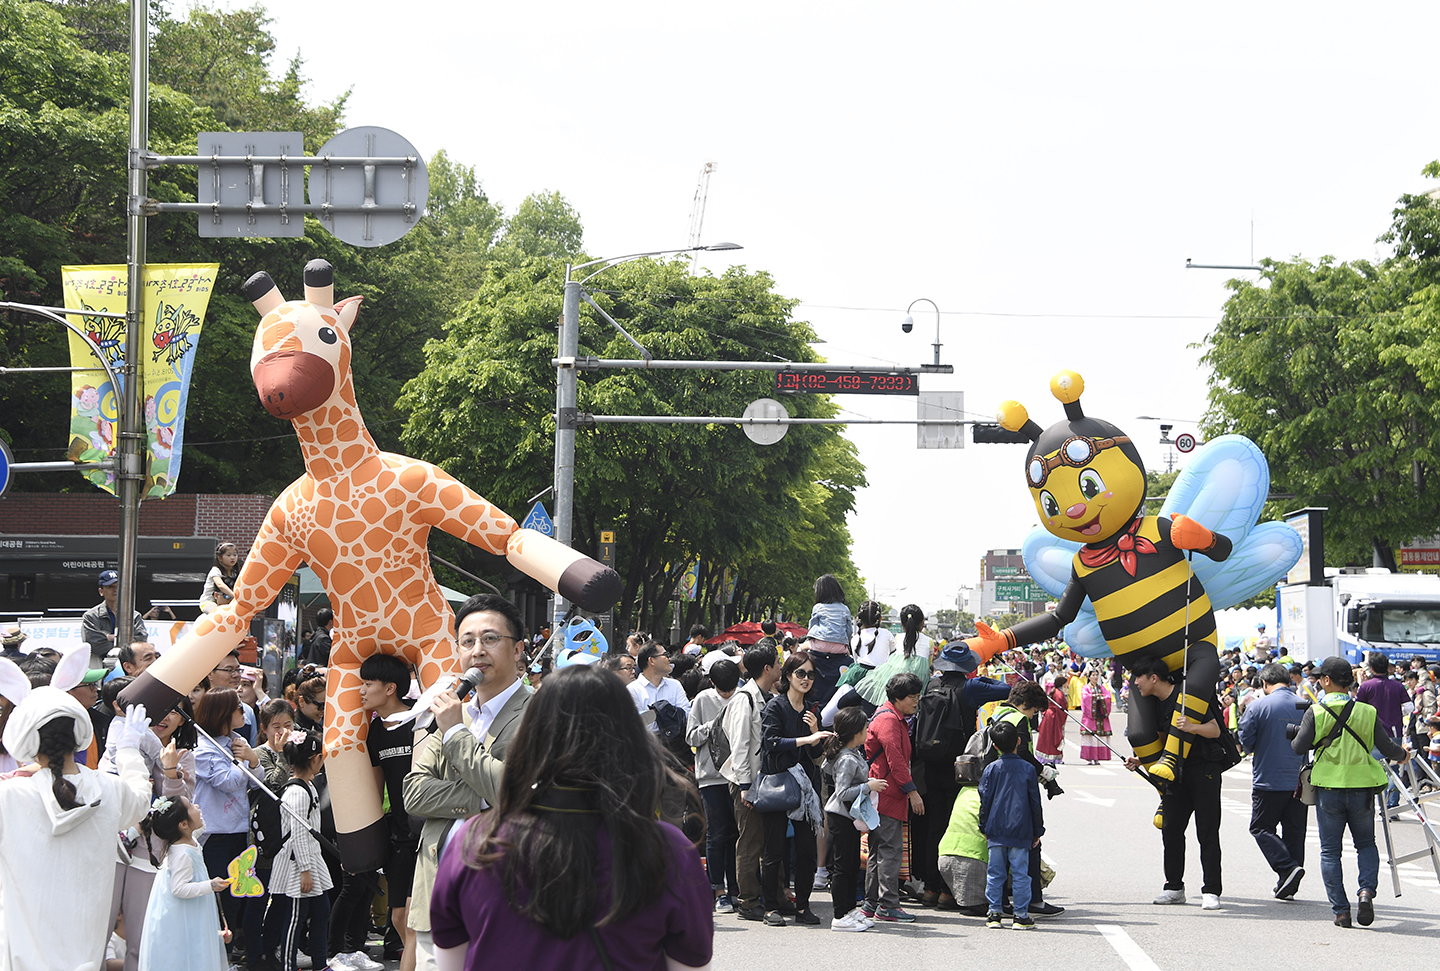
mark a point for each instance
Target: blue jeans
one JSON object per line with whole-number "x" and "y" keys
{"x": 721, "y": 833}
{"x": 1017, "y": 858}
{"x": 1334, "y": 810}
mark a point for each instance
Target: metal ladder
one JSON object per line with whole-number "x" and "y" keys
{"x": 1419, "y": 773}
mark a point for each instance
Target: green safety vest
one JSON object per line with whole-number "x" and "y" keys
{"x": 1345, "y": 763}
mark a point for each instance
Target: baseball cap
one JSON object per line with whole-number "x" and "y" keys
{"x": 1337, "y": 669}
{"x": 94, "y": 676}
{"x": 108, "y": 578}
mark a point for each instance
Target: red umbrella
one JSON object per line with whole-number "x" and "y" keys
{"x": 748, "y": 632}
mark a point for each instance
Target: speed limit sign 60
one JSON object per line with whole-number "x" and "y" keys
{"x": 1185, "y": 442}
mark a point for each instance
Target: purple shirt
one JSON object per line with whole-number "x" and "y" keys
{"x": 468, "y": 908}
{"x": 1385, "y": 696}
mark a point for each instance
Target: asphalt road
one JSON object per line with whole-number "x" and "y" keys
{"x": 1107, "y": 858}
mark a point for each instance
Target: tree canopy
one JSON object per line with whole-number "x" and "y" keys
{"x": 1333, "y": 370}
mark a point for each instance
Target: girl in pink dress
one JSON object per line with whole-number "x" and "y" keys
{"x": 1096, "y": 701}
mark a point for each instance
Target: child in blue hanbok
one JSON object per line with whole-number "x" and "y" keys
{"x": 182, "y": 922}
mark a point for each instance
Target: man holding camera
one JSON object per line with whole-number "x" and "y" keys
{"x": 1265, "y": 731}
{"x": 1343, "y": 731}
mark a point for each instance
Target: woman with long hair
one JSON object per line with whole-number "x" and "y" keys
{"x": 572, "y": 869}
{"x": 790, "y": 737}
{"x": 1095, "y": 704}
{"x": 222, "y": 793}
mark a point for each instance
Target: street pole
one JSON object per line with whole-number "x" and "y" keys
{"x": 566, "y": 401}
{"x": 129, "y": 476}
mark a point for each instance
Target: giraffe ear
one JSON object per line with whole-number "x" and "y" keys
{"x": 347, "y": 310}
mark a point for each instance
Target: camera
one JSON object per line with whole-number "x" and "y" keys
{"x": 1291, "y": 731}
{"x": 908, "y": 325}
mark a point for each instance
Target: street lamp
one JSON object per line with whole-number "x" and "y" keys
{"x": 908, "y": 324}
{"x": 567, "y": 389}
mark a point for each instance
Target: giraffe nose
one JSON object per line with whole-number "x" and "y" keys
{"x": 291, "y": 383}
{"x": 1076, "y": 511}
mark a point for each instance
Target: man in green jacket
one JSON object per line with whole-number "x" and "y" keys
{"x": 1346, "y": 777}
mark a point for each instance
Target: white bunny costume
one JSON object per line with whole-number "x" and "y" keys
{"x": 56, "y": 864}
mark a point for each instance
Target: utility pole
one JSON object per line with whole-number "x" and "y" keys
{"x": 129, "y": 474}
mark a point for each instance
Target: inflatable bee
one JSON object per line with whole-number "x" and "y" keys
{"x": 1125, "y": 580}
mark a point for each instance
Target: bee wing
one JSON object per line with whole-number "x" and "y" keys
{"x": 1082, "y": 635}
{"x": 1224, "y": 488}
{"x": 1049, "y": 559}
{"x": 1255, "y": 564}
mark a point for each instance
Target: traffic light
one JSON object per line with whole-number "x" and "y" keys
{"x": 988, "y": 434}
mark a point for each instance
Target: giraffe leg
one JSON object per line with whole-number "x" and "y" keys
{"x": 359, "y": 822}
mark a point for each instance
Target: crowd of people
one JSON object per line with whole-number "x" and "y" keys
{"x": 611, "y": 817}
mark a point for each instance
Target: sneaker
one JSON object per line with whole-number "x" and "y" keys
{"x": 992, "y": 919}
{"x": 930, "y": 898}
{"x": 774, "y": 919}
{"x": 822, "y": 879}
{"x": 724, "y": 905}
{"x": 808, "y": 916}
{"x": 868, "y": 909}
{"x": 304, "y": 961}
{"x": 847, "y": 924}
{"x": 945, "y": 902}
{"x": 1366, "y": 916}
{"x": 860, "y": 917}
{"x": 1289, "y": 884}
{"x": 894, "y": 915}
{"x": 1342, "y": 919}
{"x": 344, "y": 962}
{"x": 1046, "y": 909}
{"x": 1023, "y": 924}
{"x": 1170, "y": 897}
{"x": 1209, "y": 901}
{"x": 750, "y": 913}
{"x": 361, "y": 961}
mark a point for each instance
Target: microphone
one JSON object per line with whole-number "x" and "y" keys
{"x": 467, "y": 682}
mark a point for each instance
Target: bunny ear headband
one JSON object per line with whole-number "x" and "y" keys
{"x": 35, "y": 707}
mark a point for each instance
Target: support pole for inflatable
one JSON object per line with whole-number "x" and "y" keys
{"x": 129, "y": 476}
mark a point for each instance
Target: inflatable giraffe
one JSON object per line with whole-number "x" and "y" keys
{"x": 361, "y": 519}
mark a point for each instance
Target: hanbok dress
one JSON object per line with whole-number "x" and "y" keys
{"x": 182, "y": 922}
{"x": 1050, "y": 740}
{"x": 1096, "y": 701}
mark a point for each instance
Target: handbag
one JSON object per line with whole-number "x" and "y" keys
{"x": 1304, "y": 788}
{"x": 775, "y": 792}
{"x": 864, "y": 812}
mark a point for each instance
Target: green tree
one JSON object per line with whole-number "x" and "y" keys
{"x": 1316, "y": 363}
{"x": 483, "y": 408}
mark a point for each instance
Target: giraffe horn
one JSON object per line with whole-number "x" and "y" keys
{"x": 262, "y": 292}
{"x": 320, "y": 283}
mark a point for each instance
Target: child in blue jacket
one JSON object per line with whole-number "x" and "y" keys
{"x": 1013, "y": 821}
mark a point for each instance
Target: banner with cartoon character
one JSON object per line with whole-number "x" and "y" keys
{"x": 176, "y": 295}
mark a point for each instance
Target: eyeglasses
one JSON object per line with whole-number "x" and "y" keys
{"x": 488, "y": 640}
{"x": 1076, "y": 452}
{"x": 234, "y": 670}
{"x": 804, "y": 674}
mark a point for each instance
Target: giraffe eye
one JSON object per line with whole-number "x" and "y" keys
{"x": 327, "y": 334}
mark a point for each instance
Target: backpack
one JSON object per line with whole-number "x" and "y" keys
{"x": 719, "y": 743}
{"x": 939, "y": 722}
{"x": 266, "y": 833}
{"x": 981, "y": 745}
{"x": 670, "y": 721}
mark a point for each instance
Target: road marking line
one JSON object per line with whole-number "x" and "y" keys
{"x": 1128, "y": 950}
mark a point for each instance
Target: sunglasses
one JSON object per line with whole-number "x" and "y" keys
{"x": 1076, "y": 452}
{"x": 803, "y": 674}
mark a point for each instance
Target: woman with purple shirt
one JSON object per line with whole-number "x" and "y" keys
{"x": 572, "y": 869}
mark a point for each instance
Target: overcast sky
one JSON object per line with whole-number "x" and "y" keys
{"x": 1040, "y": 171}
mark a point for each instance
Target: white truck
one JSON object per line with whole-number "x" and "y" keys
{"x": 1354, "y": 613}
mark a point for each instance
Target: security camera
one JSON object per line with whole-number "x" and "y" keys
{"x": 908, "y": 324}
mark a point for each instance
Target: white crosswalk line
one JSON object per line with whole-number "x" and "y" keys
{"x": 1125, "y": 946}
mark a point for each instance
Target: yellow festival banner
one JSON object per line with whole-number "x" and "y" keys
{"x": 173, "y": 309}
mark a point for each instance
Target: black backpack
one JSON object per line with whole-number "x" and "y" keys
{"x": 670, "y": 721}
{"x": 266, "y": 833}
{"x": 940, "y": 722}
